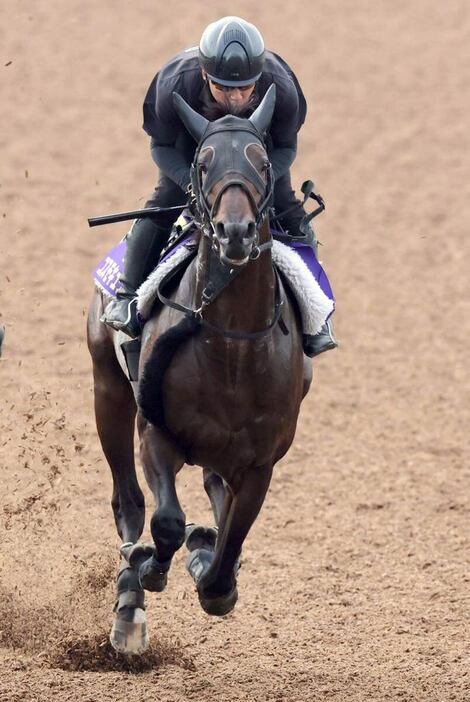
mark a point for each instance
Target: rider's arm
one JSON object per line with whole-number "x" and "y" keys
{"x": 284, "y": 128}
{"x": 282, "y": 159}
{"x": 163, "y": 126}
{"x": 171, "y": 163}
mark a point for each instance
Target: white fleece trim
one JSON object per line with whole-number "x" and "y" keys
{"x": 315, "y": 307}
{"x": 147, "y": 293}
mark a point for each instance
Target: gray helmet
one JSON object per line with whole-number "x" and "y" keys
{"x": 231, "y": 51}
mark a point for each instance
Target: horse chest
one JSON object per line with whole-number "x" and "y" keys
{"x": 231, "y": 409}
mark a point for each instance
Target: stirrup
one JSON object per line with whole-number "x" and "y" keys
{"x": 315, "y": 344}
{"x": 121, "y": 315}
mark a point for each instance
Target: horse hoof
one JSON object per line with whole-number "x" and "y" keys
{"x": 198, "y": 562}
{"x": 137, "y": 553}
{"x": 130, "y": 637}
{"x": 151, "y": 577}
{"x": 219, "y": 606}
{"x": 200, "y": 537}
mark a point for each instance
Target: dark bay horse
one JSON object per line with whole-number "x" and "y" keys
{"x": 221, "y": 379}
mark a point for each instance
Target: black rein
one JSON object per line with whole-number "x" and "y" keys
{"x": 196, "y": 315}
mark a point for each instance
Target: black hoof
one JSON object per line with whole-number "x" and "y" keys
{"x": 136, "y": 554}
{"x": 221, "y": 605}
{"x": 153, "y": 576}
{"x": 198, "y": 563}
{"x": 200, "y": 537}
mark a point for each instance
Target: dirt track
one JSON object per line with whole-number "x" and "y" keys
{"x": 356, "y": 583}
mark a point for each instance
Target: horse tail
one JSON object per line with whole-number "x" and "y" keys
{"x": 149, "y": 398}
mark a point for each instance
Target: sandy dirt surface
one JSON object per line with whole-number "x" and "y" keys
{"x": 355, "y": 583}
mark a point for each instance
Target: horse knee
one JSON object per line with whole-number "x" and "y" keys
{"x": 168, "y": 529}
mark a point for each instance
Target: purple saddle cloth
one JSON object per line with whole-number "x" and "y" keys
{"x": 106, "y": 274}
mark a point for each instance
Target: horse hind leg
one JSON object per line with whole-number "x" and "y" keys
{"x": 115, "y": 411}
{"x": 129, "y": 630}
{"x": 129, "y": 633}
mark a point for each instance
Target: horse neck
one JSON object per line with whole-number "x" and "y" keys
{"x": 247, "y": 303}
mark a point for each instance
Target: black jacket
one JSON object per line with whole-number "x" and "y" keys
{"x": 173, "y": 148}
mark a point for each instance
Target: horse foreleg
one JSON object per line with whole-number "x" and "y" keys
{"x": 161, "y": 461}
{"x": 217, "y": 586}
{"x": 201, "y": 540}
{"x": 201, "y": 536}
{"x": 216, "y": 492}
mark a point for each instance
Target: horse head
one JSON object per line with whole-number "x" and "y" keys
{"x": 231, "y": 177}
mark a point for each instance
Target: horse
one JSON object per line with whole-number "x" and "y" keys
{"x": 222, "y": 374}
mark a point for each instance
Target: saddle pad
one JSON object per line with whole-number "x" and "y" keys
{"x": 147, "y": 293}
{"x": 107, "y": 272}
{"x": 308, "y": 283}
{"x": 296, "y": 261}
{"x": 298, "y": 265}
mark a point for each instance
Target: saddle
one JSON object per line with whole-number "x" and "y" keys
{"x": 295, "y": 262}
{"x": 293, "y": 258}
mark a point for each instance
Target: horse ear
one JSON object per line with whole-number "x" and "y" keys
{"x": 195, "y": 123}
{"x": 262, "y": 116}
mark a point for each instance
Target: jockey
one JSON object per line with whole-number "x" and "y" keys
{"x": 229, "y": 72}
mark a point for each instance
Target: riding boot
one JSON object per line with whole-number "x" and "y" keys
{"x": 324, "y": 340}
{"x": 145, "y": 242}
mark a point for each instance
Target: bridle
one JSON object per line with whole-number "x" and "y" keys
{"x": 242, "y": 173}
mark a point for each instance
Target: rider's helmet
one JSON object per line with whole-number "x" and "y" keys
{"x": 231, "y": 51}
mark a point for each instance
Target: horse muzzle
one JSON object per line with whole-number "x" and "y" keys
{"x": 236, "y": 241}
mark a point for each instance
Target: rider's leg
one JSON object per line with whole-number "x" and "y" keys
{"x": 145, "y": 242}
{"x": 284, "y": 199}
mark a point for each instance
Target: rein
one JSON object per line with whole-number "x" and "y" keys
{"x": 196, "y": 315}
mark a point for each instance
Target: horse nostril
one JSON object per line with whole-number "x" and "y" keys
{"x": 220, "y": 230}
{"x": 242, "y": 233}
{"x": 251, "y": 230}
